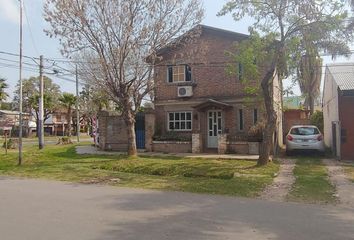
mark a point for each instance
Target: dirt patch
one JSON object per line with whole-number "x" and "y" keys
{"x": 344, "y": 187}
{"x": 282, "y": 183}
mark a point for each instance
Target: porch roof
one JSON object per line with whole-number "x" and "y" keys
{"x": 210, "y": 103}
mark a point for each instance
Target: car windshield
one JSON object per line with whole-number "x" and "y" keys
{"x": 304, "y": 131}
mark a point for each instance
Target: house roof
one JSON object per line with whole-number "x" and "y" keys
{"x": 212, "y": 103}
{"x": 204, "y": 29}
{"x": 343, "y": 75}
{"x": 7, "y": 112}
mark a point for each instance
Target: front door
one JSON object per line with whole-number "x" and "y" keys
{"x": 214, "y": 127}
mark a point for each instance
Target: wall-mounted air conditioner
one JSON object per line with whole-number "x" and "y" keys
{"x": 185, "y": 91}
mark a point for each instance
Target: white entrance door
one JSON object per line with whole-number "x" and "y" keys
{"x": 214, "y": 127}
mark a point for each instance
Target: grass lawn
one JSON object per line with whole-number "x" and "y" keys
{"x": 164, "y": 173}
{"x": 349, "y": 170}
{"x": 312, "y": 182}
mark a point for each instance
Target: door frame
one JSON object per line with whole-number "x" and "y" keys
{"x": 217, "y": 127}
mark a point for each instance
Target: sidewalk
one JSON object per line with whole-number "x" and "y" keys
{"x": 95, "y": 151}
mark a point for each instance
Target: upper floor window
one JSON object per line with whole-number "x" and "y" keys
{"x": 179, "y": 73}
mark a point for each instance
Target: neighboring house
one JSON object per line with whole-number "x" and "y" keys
{"x": 338, "y": 109}
{"x": 56, "y": 123}
{"x": 197, "y": 101}
{"x": 10, "y": 120}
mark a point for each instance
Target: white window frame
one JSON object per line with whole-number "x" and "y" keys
{"x": 183, "y": 66}
{"x": 180, "y": 121}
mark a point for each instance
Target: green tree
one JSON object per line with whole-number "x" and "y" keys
{"x": 284, "y": 21}
{"x": 91, "y": 101}
{"x": 309, "y": 76}
{"x": 317, "y": 120}
{"x": 30, "y": 97}
{"x": 68, "y": 100}
{"x": 3, "y": 86}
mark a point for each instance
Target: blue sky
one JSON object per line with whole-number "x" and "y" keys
{"x": 36, "y": 43}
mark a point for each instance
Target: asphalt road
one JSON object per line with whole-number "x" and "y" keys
{"x": 49, "y": 210}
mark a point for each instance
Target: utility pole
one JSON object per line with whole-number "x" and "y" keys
{"x": 20, "y": 104}
{"x": 41, "y": 103}
{"x": 77, "y": 106}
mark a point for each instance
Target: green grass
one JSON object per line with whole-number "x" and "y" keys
{"x": 164, "y": 173}
{"x": 312, "y": 182}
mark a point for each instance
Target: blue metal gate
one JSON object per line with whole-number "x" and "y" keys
{"x": 140, "y": 130}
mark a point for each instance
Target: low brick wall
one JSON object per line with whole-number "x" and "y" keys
{"x": 172, "y": 147}
{"x": 237, "y": 147}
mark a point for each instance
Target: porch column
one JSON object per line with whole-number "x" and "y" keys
{"x": 196, "y": 143}
{"x": 222, "y": 143}
{"x": 149, "y": 129}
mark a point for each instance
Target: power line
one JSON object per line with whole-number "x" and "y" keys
{"x": 30, "y": 30}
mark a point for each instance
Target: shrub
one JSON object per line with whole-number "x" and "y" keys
{"x": 317, "y": 120}
{"x": 64, "y": 140}
{"x": 11, "y": 144}
{"x": 172, "y": 136}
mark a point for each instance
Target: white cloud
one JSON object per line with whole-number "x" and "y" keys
{"x": 9, "y": 10}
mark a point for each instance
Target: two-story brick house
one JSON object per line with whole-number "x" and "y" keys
{"x": 196, "y": 98}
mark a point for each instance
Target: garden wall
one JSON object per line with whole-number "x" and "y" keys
{"x": 172, "y": 147}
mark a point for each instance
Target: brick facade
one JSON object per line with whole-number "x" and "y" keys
{"x": 113, "y": 133}
{"x": 207, "y": 58}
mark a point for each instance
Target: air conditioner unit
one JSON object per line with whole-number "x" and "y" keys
{"x": 185, "y": 91}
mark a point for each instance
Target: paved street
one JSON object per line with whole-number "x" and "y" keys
{"x": 49, "y": 210}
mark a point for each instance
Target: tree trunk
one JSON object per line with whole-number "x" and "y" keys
{"x": 267, "y": 90}
{"x": 69, "y": 122}
{"x": 311, "y": 104}
{"x": 130, "y": 122}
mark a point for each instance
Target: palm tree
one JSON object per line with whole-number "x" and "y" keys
{"x": 68, "y": 100}
{"x": 3, "y": 85}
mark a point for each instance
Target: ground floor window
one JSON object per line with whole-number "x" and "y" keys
{"x": 180, "y": 121}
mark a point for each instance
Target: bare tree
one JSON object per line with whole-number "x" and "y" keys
{"x": 116, "y": 38}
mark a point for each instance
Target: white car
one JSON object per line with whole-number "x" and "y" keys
{"x": 304, "y": 137}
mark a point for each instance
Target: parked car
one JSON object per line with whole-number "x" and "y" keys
{"x": 304, "y": 137}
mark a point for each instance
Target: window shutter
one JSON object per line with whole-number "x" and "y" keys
{"x": 169, "y": 74}
{"x": 188, "y": 72}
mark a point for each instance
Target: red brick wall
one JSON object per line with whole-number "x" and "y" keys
{"x": 172, "y": 147}
{"x": 295, "y": 117}
{"x": 346, "y": 116}
{"x": 207, "y": 58}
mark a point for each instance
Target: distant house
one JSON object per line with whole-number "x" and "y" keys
{"x": 10, "y": 120}
{"x": 338, "y": 109}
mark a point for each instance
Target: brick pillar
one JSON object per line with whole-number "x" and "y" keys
{"x": 149, "y": 129}
{"x": 222, "y": 143}
{"x": 196, "y": 143}
{"x": 102, "y": 126}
